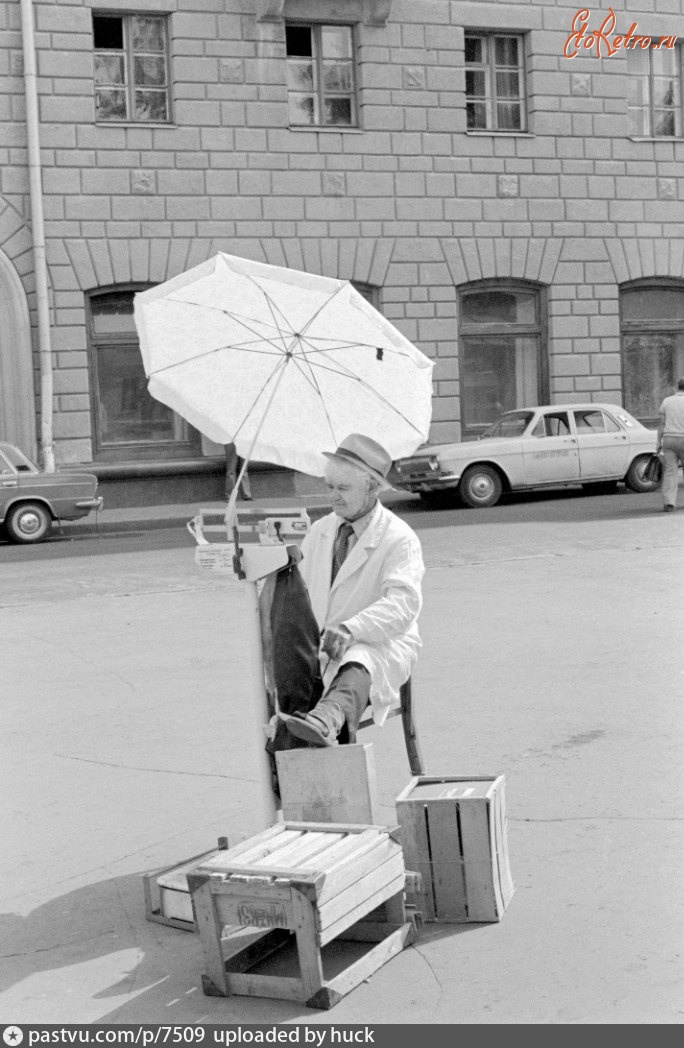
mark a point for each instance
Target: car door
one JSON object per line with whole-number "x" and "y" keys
{"x": 603, "y": 446}
{"x": 8, "y": 484}
{"x": 550, "y": 451}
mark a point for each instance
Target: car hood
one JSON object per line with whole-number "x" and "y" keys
{"x": 488, "y": 446}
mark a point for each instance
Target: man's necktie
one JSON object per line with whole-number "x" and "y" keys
{"x": 341, "y": 548}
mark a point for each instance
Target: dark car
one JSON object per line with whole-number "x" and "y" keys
{"x": 30, "y": 500}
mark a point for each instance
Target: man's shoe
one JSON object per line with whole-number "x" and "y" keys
{"x": 310, "y": 728}
{"x": 668, "y": 508}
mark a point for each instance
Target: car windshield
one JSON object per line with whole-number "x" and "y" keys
{"x": 512, "y": 424}
{"x": 18, "y": 459}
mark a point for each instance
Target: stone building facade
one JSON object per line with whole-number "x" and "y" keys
{"x": 504, "y": 180}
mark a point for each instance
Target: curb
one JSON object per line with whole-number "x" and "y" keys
{"x": 70, "y": 529}
{"x": 179, "y": 516}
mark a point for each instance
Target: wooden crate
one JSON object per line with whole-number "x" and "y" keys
{"x": 330, "y": 784}
{"x": 314, "y": 882}
{"x": 453, "y": 832}
{"x": 167, "y": 896}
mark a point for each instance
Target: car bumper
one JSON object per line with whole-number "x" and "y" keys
{"x": 433, "y": 482}
{"x": 87, "y": 504}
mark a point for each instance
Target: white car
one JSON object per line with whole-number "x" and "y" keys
{"x": 595, "y": 445}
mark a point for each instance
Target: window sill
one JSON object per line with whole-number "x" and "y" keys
{"x": 326, "y": 130}
{"x": 136, "y": 123}
{"x": 656, "y": 138}
{"x": 500, "y": 134}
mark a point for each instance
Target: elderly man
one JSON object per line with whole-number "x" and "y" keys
{"x": 671, "y": 440}
{"x": 363, "y": 569}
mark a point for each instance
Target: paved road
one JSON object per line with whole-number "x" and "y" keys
{"x": 555, "y": 506}
{"x": 552, "y": 653}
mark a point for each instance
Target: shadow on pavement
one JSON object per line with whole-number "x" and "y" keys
{"x": 559, "y": 505}
{"x": 91, "y": 955}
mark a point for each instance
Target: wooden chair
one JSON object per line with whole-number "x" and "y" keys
{"x": 405, "y": 711}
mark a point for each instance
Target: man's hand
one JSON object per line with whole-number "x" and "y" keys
{"x": 336, "y": 641}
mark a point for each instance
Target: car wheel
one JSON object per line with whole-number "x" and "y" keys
{"x": 635, "y": 476}
{"x": 599, "y": 487}
{"x": 480, "y": 486}
{"x": 29, "y": 522}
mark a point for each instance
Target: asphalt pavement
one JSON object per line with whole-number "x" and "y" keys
{"x": 552, "y": 654}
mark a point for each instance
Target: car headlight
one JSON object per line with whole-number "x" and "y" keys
{"x": 434, "y": 462}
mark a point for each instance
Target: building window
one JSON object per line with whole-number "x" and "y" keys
{"x": 131, "y": 68}
{"x": 128, "y": 422}
{"x": 495, "y": 79}
{"x": 370, "y": 292}
{"x": 652, "y": 321}
{"x": 655, "y": 86}
{"x": 321, "y": 82}
{"x": 502, "y": 351}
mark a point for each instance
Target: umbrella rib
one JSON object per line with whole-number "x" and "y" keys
{"x": 355, "y": 345}
{"x": 349, "y": 345}
{"x": 348, "y": 373}
{"x": 218, "y": 349}
{"x": 218, "y": 309}
{"x": 279, "y": 366}
{"x": 273, "y": 307}
{"x": 240, "y": 320}
{"x": 270, "y": 341}
{"x": 322, "y": 307}
{"x": 311, "y": 379}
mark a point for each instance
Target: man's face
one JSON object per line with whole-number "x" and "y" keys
{"x": 349, "y": 489}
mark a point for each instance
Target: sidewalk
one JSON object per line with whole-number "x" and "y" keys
{"x": 148, "y": 518}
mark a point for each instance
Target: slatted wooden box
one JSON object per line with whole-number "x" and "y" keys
{"x": 453, "y": 832}
{"x": 167, "y": 897}
{"x": 317, "y": 882}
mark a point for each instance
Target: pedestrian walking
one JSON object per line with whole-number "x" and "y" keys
{"x": 671, "y": 442}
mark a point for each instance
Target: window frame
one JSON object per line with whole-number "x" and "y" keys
{"x": 131, "y": 450}
{"x": 650, "y": 106}
{"x": 538, "y": 330}
{"x": 317, "y": 59}
{"x": 666, "y": 326}
{"x": 561, "y": 416}
{"x": 129, "y": 86}
{"x": 491, "y": 97}
{"x": 608, "y": 424}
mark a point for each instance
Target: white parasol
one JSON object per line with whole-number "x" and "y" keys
{"x": 284, "y": 364}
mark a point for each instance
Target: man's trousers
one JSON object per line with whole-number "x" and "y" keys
{"x": 292, "y": 652}
{"x": 673, "y": 454}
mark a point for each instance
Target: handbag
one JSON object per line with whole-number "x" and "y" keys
{"x": 653, "y": 471}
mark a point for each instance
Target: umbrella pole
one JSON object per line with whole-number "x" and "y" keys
{"x": 230, "y": 516}
{"x": 256, "y": 697}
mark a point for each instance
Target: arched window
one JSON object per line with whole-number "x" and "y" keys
{"x": 502, "y": 350}
{"x": 652, "y": 324}
{"x": 127, "y": 422}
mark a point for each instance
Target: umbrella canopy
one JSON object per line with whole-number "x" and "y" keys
{"x": 282, "y": 363}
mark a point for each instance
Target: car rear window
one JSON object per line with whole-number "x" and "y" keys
{"x": 18, "y": 459}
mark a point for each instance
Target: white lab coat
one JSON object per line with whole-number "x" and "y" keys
{"x": 376, "y": 595}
